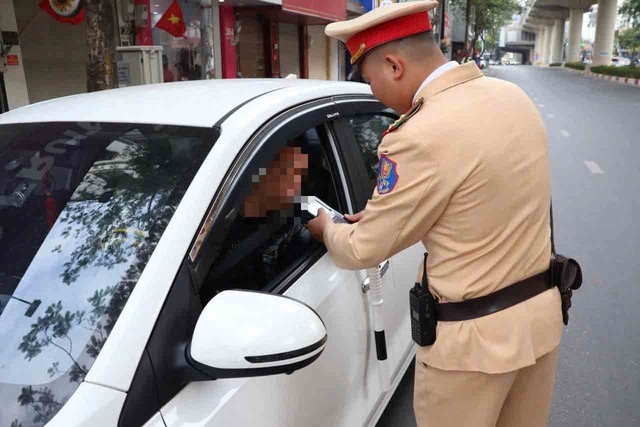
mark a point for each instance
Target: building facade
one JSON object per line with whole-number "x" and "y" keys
{"x": 230, "y": 39}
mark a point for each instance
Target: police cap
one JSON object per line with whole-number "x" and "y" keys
{"x": 382, "y": 25}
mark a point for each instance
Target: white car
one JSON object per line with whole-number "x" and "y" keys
{"x": 619, "y": 61}
{"x": 124, "y": 227}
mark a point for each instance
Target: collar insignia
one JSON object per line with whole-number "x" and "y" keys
{"x": 405, "y": 117}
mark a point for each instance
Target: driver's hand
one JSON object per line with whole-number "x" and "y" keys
{"x": 316, "y": 226}
{"x": 355, "y": 217}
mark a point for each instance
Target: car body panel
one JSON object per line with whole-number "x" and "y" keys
{"x": 165, "y": 103}
{"x": 90, "y": 405}
{"x": 148, "y": 296}
{"x": 336, "y": 389}
{"x": 317, "y": 392}
{"x": 155, "y": 421}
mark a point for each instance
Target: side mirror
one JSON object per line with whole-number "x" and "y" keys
{"x": 248, "y": 334}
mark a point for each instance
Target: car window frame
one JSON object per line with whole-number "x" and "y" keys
{"x": 256, "y": 152}
{"x": 151, "y": 389}
{"x": 183, "y": 300}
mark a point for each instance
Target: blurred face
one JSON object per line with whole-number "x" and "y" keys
{"x": 280, "y": 184}
{"x": 285, "y": 175}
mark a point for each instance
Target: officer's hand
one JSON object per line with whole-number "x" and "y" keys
{"x": 316, "y": 226}
{"x": 355, "y": 217}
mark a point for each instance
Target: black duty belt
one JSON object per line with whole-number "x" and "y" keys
{"x": 494, "y": 302}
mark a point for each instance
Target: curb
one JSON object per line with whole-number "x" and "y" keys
{"x": 620, "y": 80}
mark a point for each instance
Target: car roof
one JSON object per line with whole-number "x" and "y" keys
{"x": 201, "y": 103}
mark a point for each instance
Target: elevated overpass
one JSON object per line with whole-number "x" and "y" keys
{"x": 546, "y": 18}
{"x": 514, "y": 38}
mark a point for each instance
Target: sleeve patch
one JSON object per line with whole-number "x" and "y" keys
{"x": 387, "y": 175}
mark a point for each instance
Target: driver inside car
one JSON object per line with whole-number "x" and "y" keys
{"x": 268, "y": 234}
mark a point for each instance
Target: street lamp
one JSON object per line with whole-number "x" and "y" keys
{"x": 33, "y": 306}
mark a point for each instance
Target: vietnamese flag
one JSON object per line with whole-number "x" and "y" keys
{"x": 172, "y": 21}
{"x": 66, "y": 11}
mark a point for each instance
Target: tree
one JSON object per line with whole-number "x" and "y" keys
{"x": 101, "y": 45}
{"x": 630, "y": 10}
{"x": 490, "y": 15}
{"x": 136, "y": 195}
{"x": 629, "y": 40}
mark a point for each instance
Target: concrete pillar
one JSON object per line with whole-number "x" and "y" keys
{"x": 546, "y": 50}
{"x": 557, "y": 43}
{"x": 575, "y": 35}
{"x": 605, "y": 32}
{"x": 537, "y": 48}
{"x": 334, "y": 61}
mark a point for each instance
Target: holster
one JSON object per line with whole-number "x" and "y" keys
{"x": 566, "y": 274}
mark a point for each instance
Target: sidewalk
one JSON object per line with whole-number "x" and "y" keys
{"x": 620, "y": 80}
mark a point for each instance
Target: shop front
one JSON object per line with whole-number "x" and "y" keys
{"x": 264, "y": 40}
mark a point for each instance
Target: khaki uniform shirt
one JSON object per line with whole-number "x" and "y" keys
{"x": 473, "y": 185}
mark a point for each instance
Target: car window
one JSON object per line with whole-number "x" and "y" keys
{"x": 367, "y": 130}
{"x": 82, "y": 208}
{"x": 267, "y": 238}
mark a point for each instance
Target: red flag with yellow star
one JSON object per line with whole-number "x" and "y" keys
{"x": 172, "y": 21}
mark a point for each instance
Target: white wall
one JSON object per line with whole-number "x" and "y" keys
{"x": 318, "y": 53}
{"x": 14, "y": 77}
{"x": 54, "y": 54}
{"x": 289, "y": 49}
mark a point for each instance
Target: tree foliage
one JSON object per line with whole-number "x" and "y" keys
{"x": 146, "y": 205}
{"x": 629, "y": 40}
{"x": 490, "y": 15}
{"x": 630, "y": 10}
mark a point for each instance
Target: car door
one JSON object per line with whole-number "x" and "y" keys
{"x": 341, "y": 388}
{"x": 360, "y": 129}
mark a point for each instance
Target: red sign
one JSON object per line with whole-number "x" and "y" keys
{"x": 229, "y": 42}
{"x": 65, "y": 11}
{"x": 332, "y": 10}
{"x": 12, "y": 60}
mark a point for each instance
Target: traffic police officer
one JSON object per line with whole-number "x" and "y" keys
{"x": 465, "y": 171}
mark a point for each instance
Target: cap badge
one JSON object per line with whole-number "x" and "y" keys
{"x": 356, "y": 56}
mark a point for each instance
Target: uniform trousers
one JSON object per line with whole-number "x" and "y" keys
{"x": 520, "y": 398}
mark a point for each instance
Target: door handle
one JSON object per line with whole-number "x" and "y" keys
{"x": 383, "y": 267}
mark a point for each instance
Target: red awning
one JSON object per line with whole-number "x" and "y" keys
{"x": 333, "y": 10}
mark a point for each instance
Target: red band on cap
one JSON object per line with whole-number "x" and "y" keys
{"x": 389, "y": 31}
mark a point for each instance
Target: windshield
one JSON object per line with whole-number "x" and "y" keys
{"x": 82, "y": 207}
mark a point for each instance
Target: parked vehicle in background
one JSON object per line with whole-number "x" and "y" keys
{"x": 619, "y": 61}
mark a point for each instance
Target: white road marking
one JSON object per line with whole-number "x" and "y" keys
{"x": 541, "y": 105}
{"x": 565, "y": 133}
{"x": 593, "y": 167}
{"x": 550, "y": 115}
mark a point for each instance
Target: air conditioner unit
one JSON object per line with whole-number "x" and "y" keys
{"x": 139, "y": 65}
